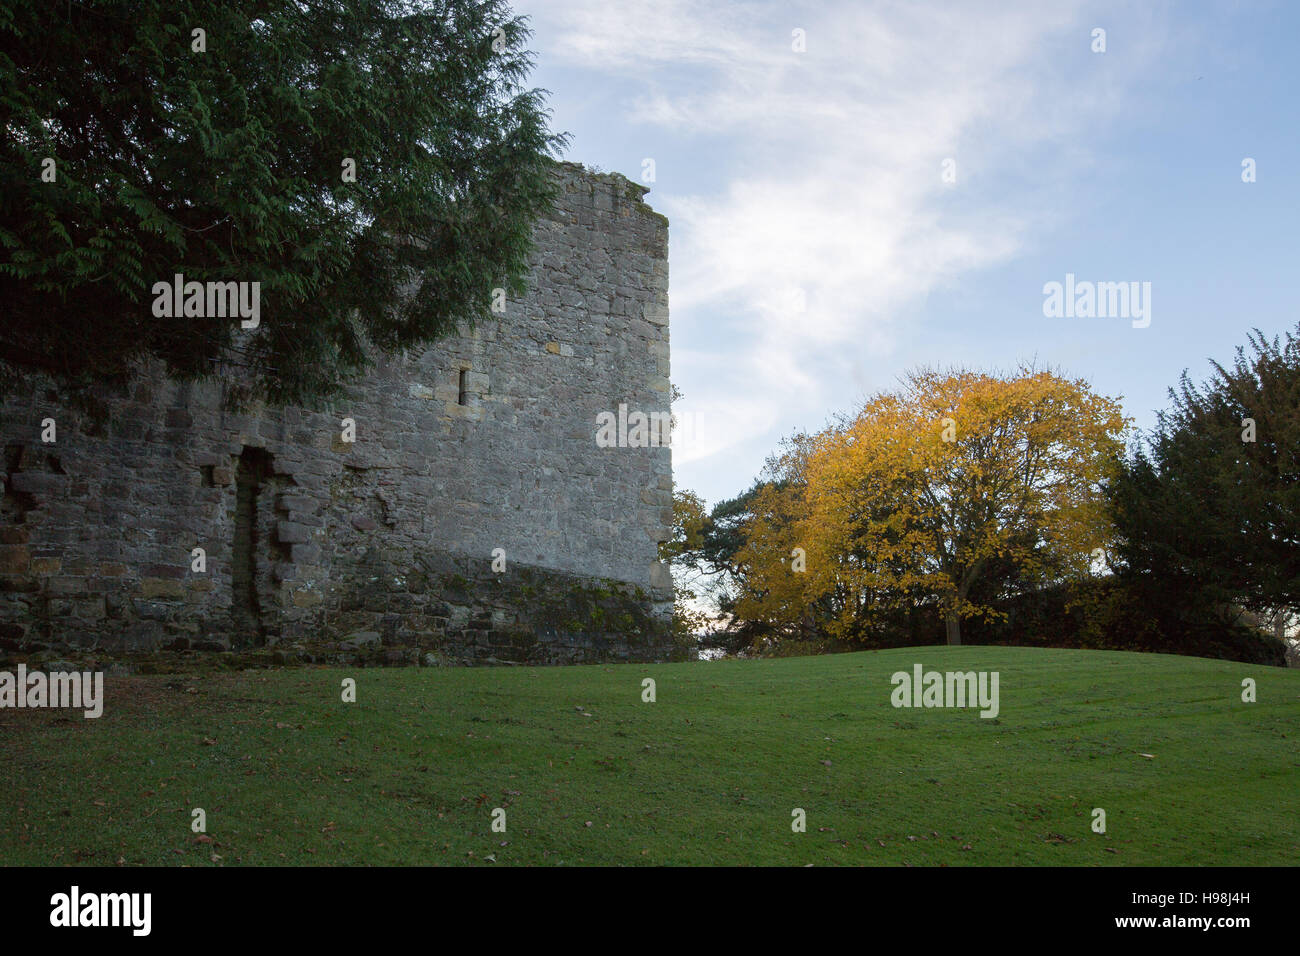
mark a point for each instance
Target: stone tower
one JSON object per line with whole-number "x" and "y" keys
{"x": 475, "y": 518}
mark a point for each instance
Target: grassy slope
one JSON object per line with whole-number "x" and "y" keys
{"x": 708, "y": 774}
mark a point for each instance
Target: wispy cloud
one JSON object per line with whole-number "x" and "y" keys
{"x": 832, "y": 218}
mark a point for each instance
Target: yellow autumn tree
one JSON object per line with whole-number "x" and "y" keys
{"x": 773, "y": 558}
{"x": 925, "y": 488}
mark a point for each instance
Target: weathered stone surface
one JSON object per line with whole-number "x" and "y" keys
{"x": 306, "y": 597}
{"x": 166, "y": 588}
{"x": 289, "y": 532}
{"x": 36, "y": 483}
{"x": 14, "y": 559}
{"x": 361, "y": 640}
{"x": 297, "y": 503}
{"x": 309, "y": 538}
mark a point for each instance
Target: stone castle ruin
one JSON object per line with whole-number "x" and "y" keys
{"x": 474, "y": 518}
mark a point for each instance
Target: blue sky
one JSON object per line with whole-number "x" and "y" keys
{"x": 816, "y": 252}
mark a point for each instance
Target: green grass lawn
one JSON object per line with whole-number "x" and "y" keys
{"x": 708, "y": 774}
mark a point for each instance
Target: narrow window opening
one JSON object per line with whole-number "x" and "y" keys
{"x": 464, "y": 387}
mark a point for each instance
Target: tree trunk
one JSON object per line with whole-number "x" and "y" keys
{"x": 954, "y": 629}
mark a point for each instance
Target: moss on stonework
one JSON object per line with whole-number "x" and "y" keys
{"x": 600, "y": 606}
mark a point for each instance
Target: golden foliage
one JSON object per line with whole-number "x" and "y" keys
{"x": 915, "y": 496}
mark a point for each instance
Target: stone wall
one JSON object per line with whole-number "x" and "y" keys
{"x": 382, "y": 546}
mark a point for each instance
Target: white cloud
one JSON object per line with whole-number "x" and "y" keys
{"x": 832, "y": 178}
